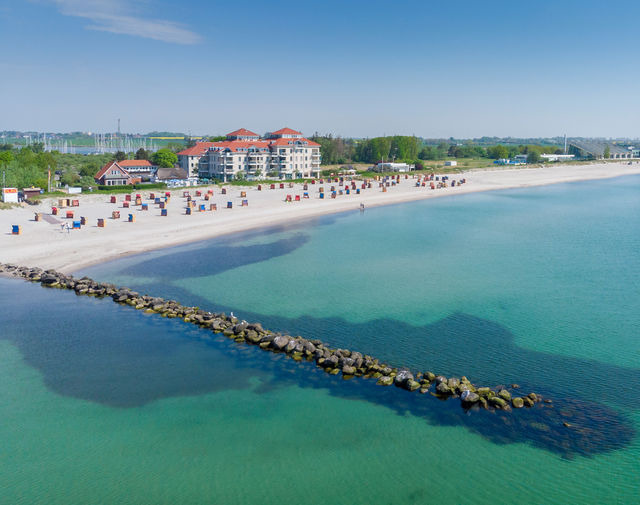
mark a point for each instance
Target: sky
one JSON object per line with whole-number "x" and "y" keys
{"x": 352, "y": 68}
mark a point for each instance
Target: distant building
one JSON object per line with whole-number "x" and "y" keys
{"x": 557, "y": 157}
{"x": 394, "y": 167}
{"x": 450, "y": 163}
{"x": 285, "y": 154}
{"x": 595, "y": 149}
{"x": 520, "y": 159}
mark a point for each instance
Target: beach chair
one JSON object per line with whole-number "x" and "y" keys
{"x": 113, "y": 199}
{"x": 213, "y": 206}
{"x": 115, "y": 214}
{"x": 138, "y": 201}
{"x": 132, "y": 218}
{"x": 245, "y": 203}
{"x": 75, "y": 203}
{"x": 202, "y": 208}
{"x": 305, "y": 195}
{"x": 38, "y": 217}
{"x": 287, "y": 198}
{"x": 54, "y": 211}
{"x": 281, "y": 185}
{"x": 243, "y": 194}
{"x": 224, "y": 191}
{"x": 152, "y": 196}
{"x": 101, "y": 223}
{"x": 125, "y": 205}
{"x": 188, "y": 212}
{"x": 259, "y": 187}
{"x": 357, "y": 191}
{"x": 83, "y": 220}
{"x": 127, "y": 198}
{"x": 69, "y": 214}
{"x": 16, "y": 229}
{"x": 321, "y": 196}
{"x": 163, "y": 212}
{"x": 144, "y": 206}
{"x": 77, "y": 225}
{"x": 198, "y": 193}
{"x": 272, "y": 186}
{"x": 297, "y": 198}
{"x": 229, "y": 205}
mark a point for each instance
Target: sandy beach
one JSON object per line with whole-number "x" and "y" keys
{"x": 45, "y": 244}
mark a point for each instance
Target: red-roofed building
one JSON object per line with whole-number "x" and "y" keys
{"x": 284, "y": 153}
{"x": 120, "y": 173}
{"x": 113, "y": 174}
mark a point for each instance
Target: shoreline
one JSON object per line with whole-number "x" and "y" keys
{"x": 47, "y": 246}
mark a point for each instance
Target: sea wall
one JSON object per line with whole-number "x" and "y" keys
{"x": 347, "y": 362}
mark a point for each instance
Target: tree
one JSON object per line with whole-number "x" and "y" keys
{"x": 37, "y": 147}
{"x": 6, "y": 157}
{"x": 497, "y": 152}
{"x": 533, "y": 156}
{"x": 164, "y": 158}
{"x": 142, "y": 154}
{"x": 607, "y": 152}
{"x": 119, "y": 156}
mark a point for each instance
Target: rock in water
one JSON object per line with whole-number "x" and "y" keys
{"x": 385, "y": 380}
{"x": 469, "y": 397}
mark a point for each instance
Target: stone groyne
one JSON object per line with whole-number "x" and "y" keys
{"x": 334, "y": 361}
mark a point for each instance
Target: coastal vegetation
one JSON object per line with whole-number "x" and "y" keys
{"x": 410, "y": 149}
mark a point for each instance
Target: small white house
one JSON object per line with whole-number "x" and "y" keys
{"x": 394, "y": 167}
{"x": 10, "y": 195}
{"x": 557, "y": 157}
{"x": 451, "y": 163}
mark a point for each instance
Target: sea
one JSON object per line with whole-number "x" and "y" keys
{"x": 534, "y": 287}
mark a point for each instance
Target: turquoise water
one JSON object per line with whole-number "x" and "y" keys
{"x": 538, "y": 286}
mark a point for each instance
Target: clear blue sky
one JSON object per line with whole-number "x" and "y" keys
{"x": 354, "y": 68}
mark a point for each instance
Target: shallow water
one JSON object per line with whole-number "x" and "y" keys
{"x": 533, "y": 286}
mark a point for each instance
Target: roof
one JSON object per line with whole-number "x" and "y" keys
{"x": 165, "y": 174}
{"x": 286, "y": 131}
{"x": 285, "y": 142}
{"x": 242, "y": 132}
{"x": 198, "y": 150}
{"x": 597, "y": 148}
{"x": 108, "y": 167}
{"x": 135, "y": 163}
{"x": 234, "y": 145}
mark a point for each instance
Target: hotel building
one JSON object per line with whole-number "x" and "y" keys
{"x": 285, "y": 154}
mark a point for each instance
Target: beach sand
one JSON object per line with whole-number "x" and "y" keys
{"x": 46, "y": 245}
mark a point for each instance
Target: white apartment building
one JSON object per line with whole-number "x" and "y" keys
{"x": 285, "y": 154}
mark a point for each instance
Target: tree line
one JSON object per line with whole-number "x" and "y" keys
{"x": 338, "y": 150}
